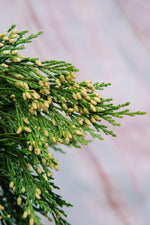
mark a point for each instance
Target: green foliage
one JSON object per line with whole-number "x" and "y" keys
{"x": 41, "y": 106}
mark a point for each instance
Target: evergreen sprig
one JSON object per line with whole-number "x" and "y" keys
{"x": 41, "y": 107}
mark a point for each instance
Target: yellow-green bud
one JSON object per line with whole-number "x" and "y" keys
{"x": 97, "y": 99}
{"x": 58, "y": 215}
{"x": 4, "y": 34}
{"x": 38, "y": 191}
{"x": 64, "y": 99}
{"x": 11, "y": 40}
{"x": 5, "y": 38}
{"x": 75, "y": 96}
{"x": 50, "y": 155}
{"x": 35, "y": 95}
{"x": 62, "y": 78}
{"x": 87, "y": 122}
{"x": 76, "y": 85}
{"x": 4, "y": 65}
{"x": 37, "y": 196}
{"x": 14, "y": 31}
{"x": 39, "y": 170}
{"x": 45, "y": 177}
{"x": 93, "y": 108}
{"x": 83, "y": 93}
{"x": 11, "y": 184}
{"x": 14, "y": 52}
{"x": 87, "y": 81}
{"x": 30, "y": 148}
{"x": 19, "y": 130}
{"x": 76, "y": 108}
{"x": 93, "y": 102}
{"x": 34, "y": 105}
{"x": 49, "y": 174}
{"x": 23, "y": 190}
{"x": 97, "y": 117}
{"x": 47, "y": 85}
{"x": 46, "y": 79}
{"x": 55, "y": 99}
{"x": 46, "y": 104}
{"x": 67, "y": 140}
{"x": 54, "y": 122}
{"x": 41, "y": 83}
{"x": 58, "y": 82}
{"x": 56, "y": 161}
{"x": 54, "y": 139}
{"x": 24, "y": 96}
{"x": 87, "y": 97}
{"x": 31, "y": 221}
{"x": 1, "y": 207}
{"x": 19, "y": 200}
{"x": 37, "y": 151}
{"x": 80, "y": 121}
{"x": 12, "y": 96}
{"x": 6, "y": 52}
{"x": 69, "y": 79}
{"x": 93, "y": 120}
{"x": 49, "y": 98}
{"x": 31, "y": 110}
{"x": 86, "y": 111}
{"x": 26, "y": 121}
{"x": 79, "y": 96}
{"x": 46, "y": 133}
{"x": 73, "y": 75}
{"x": 27, "y": 129}
{"x": 63, "y": 133}
{"x": 22, "y": 56}
{"x": 17, "y": 59}
{"x": 38, "y": 63}
{"x": 78, "y": 132}
{"x": 28, "y": 95}
{"x": 71, "y": 110}
{"x": 70, "y": 135}
{"x": 64, "y": 106}
{"x": 25, "y": 214}
{"x": 56, "y": 167}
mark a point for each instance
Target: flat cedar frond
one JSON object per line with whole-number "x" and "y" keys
{"x": 41, "y": 106}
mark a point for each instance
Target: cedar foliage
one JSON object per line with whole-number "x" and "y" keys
{"x": 41, "y": 107}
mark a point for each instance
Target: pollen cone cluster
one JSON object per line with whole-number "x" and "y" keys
{"x": 42, "y": 106}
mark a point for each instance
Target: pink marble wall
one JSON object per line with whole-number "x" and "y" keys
{"x": 109, "y": 181}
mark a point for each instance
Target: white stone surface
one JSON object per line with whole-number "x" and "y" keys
{"x": 108, "y": 182}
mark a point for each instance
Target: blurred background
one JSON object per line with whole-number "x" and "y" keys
{"x": 108, "y": 182}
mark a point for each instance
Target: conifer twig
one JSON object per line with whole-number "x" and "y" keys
{"x": 42, "y": 107}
